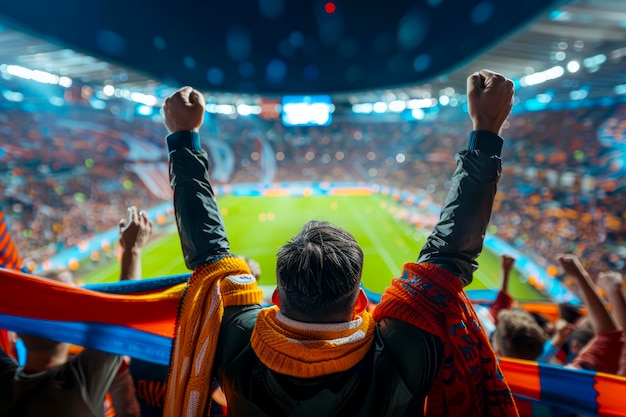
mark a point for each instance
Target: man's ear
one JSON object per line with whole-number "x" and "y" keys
{"x": 361, "y": 302}
{"x": 276, "y": 298}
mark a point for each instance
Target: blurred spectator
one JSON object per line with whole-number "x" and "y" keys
{"x": 52, "y": 383}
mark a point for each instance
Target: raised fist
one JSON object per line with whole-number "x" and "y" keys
{"x": 610, "y": 280}
{"x": 183, "y": 110}
{"x": 571, "y": 265}
{"x": 507, "y": 262}
{"x": 136, "y": 231}
{"x": 490, "y": 98}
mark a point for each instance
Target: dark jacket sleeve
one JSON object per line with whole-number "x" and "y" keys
{"x": 199, "y": 221}
{"x": 458, "y": 237}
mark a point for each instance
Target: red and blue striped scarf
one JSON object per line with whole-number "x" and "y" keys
{"x": 470, "y": 382}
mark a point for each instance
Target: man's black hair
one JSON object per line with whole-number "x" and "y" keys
{"x": 319, "y": 271}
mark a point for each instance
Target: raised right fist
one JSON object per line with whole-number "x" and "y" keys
{"x": 490, "y": 99}
{"x": 183, "y": 110}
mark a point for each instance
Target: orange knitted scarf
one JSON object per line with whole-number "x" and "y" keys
{"x": 222, "y": 283}
{"x": 469, "y": 382}
{"x": 308, "y": 350}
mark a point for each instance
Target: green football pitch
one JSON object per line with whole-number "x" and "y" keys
{"x": 258, "y": 226}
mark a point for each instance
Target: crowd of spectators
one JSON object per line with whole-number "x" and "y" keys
{"x": 56, "y": 192}
{"x": 555, "y": 195}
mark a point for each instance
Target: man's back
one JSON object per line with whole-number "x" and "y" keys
{"x": 76, "y": 388}
{"x": 377, "y": 385}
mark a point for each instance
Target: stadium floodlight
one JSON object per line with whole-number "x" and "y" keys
{"x": 543, "y": 76}
{"x": 418, "y": 114}
{"x": 363, "y": 108}
{"x": 144, "y": 110}
{"x": 244, "y": 110}
{"x": 421, "y": 103}
{"x": 109, "y": 90}
{"x": 65, "y": 82}
{"x": 141, "y": 98}
{"x": 397, "y": 106}
{"x": 380, "y": 107}
{"x": 226, "y": 109}
{"x": 573, "y": 66}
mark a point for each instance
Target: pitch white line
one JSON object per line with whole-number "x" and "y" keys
{"x": 485, "y": 280}
{"x": 381, "y": 249}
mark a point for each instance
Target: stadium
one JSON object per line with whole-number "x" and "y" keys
{"x": 337, "y": 111}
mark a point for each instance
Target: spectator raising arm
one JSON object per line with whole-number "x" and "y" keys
{"x": 503, "y": 301}
{"x": 603, "y": 352}
{"x": 134, "y": 234}
{"x": 612, "y": 283}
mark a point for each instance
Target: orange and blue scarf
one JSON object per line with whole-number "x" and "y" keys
{"x": 225, "y": 282}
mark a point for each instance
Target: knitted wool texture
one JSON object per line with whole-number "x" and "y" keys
{"x": 308, "y": 350}
{"x": 213, "y": 286}
{"x": 469, "y": 382}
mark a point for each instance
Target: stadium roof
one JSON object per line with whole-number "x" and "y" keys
{"x": 357, "y": 50}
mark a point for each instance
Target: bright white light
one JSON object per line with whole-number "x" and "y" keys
{"x": 560, "y": 56}
{"x": 306, "y": 113}
{"x": 418, "y": 114}
{"x": 144, "y": 110}
{"x": 255, "y": 109}
{"x": 421, "y": 103}
{"x": 65, "y": 82}
{"x": 244, "y": 110}
{"x": 400, "y": 158}
{"x": 109, "y": 90}
{"x": 211, "y": 108}
{"x": 397, "y": 106}
{"x": 141, "y": 98}
{"x": 363, "y": 108}
{"x": 444, "y": 100}
{"x": 226, "y": 109}
{"x": 620, "y": 89}
{"x": 573, "y": 66}
{"x": 45, "y": 77}
{"x": 21, "y": 72}
{"x": 543, "y": 76}
{"x": 380, "y": 107}
{"x": 36, "y": 75}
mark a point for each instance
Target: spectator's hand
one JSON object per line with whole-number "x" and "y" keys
{"x": 562, "y": 332}
{"x": 571, "y": 265}
{"x": 183, "y": 110}
{"x": 135, "y": 232}
{"x": 609, "y": 281}
{"x": 507, "y": 263}
{"x": 490, "y": 98}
